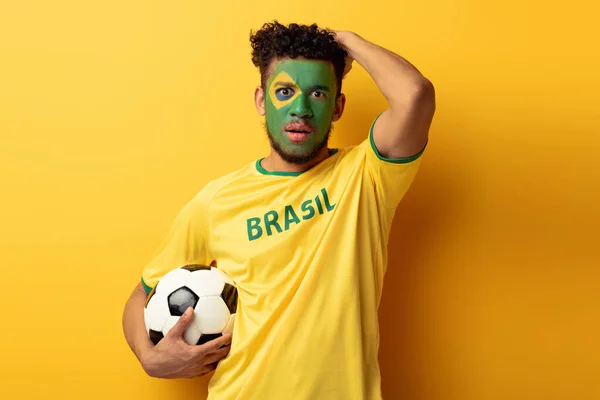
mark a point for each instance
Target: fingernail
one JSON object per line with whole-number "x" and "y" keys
{"x": 188, "y": 311}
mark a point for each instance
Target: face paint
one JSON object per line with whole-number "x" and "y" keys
{"x": 300, "y": 97}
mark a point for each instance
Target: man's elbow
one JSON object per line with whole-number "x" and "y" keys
{"x": 422, "y": 91}
{"x": 418, "y": 94}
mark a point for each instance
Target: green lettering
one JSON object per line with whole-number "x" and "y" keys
{"x": 319, "y": 205}
{"x": 290, "y": 217}
{"x": 273, "y": 221}
{"x": 328, "y": 206}
{"x": 306, "y": 207}
{"x": 254, "y": 225}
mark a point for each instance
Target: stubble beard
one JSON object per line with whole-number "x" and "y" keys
{"x": 299, "y": 158}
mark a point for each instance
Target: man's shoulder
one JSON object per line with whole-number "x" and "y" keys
{"x": 351, "y": 152}
{"x": 215, "y": 185}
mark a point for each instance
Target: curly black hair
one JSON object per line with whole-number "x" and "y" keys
{"x": 275, "y": 41}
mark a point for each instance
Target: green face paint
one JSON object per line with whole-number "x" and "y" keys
{"x": 300, "y": 96}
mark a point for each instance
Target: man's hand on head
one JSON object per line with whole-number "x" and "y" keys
{"x": 341, "y": 37}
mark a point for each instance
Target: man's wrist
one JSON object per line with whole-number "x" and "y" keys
{"x": 345, "y": 38}
{"x": 353, "y": 44}
{"x": 142, "y": 348}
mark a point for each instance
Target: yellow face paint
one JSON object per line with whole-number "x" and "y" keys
{"x": 283, "y": 81}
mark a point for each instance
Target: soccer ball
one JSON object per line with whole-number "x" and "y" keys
{"x": 211, "y": 293}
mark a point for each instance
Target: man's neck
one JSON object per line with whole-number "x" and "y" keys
{"x": 274, "y": 163}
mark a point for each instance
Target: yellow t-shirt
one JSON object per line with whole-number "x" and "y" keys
{"x": 308, "y": 254}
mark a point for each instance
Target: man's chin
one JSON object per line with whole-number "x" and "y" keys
{"x": 300, "y": 157}
{"x": 297, "y": 158}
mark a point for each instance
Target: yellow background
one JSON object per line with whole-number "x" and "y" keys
{"x": 113, "y": 114}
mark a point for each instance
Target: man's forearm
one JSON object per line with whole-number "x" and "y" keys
{"x": 133, "y": 323}
{"x": 398, "y": 80}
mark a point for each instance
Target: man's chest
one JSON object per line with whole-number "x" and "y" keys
{"x": 260, "y": 232}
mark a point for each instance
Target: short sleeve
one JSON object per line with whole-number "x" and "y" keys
{"x": 391, "y": 177}
{"x": 185, "y": 243}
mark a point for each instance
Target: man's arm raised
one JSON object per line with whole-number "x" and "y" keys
{"x": 402, "y": 130}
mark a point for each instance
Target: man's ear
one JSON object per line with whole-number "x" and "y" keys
{"x": 340, "y": 103}
{"x": 259, "y": 100}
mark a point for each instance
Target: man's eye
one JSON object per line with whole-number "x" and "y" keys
{"x": 318, "y": 95}
{"x": 284, "y": 93}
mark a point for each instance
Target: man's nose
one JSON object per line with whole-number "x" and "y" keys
{"x": 300, "y": 107}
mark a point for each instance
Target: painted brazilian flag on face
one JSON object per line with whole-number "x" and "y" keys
{"x": 300, "y": 89}
{"x": 285, "y": 91}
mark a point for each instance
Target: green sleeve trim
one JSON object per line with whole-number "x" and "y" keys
{"x": 147, "y": 288}
{"x": 401, "y": 160}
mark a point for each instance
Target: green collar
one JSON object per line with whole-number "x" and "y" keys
{"x": 263, "y": 171}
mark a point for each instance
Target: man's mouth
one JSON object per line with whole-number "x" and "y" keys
{"x": 298, "y": 132}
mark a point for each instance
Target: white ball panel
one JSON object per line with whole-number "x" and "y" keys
{"x": 225, "y": 277}
{"x": 212, "y": 314}
{"x": 157, "y": 312}
{"x": 172, "y": 280}
{"x": 204, "y": 282}
{"x": 191, "y": 333}
{"x": 146, "y": 320}
{"x": 171, "y": 321}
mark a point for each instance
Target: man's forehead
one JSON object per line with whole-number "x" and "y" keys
{"x": 303, "y": 69}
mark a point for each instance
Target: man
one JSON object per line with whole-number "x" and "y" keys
{"x": 302, "y": 232}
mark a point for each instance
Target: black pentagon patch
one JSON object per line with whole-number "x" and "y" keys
{"x": 195, "y": 267}
{"x": 208, "y": 337}
{"x": 230, "y": 296}
{"x": 150, "y": 296}
{"x": 180, "y": 300}
{"x": 155, "y": 336}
